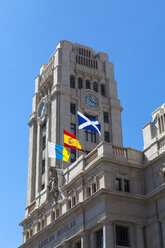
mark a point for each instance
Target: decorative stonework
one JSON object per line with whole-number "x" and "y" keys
{"x": 53, "y": 182}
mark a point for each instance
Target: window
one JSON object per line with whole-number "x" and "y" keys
{"x": 80, "y": 83}
{"x": 53, "y": 216}
{"x": 73, "y": 201}
{"x": 69, "y": 204}
{"x": 27, "y": 235}
{"x": 87, "y": 152}
{"x": 31, "y": 232}
{"x": 57, "y": 213}
{"x": 42, "y": 224}
{"x": 78, "y": 244}
{"x": 88, "y": 84}
{"x": 95, "y": 87}
{"x": 106, "y": 119}
{"x": 72, "y": 81}
{"x": 43, "y": 166}
{"x": 102, "y": 90}
{"x": 126, "y": 185}
{"x": 44, "y": 142}
{"x": 106, "y": 136}
{"x": 90, "y": 136}
{"x": 122, "y": 184}
{"x": 99, "y": 239}
{"x": 118, "y": 184}
{"x": 73, "y": 128}
{"x": 122, "y": 236}
{"x": 73, "y": 108}
{"x": 73, "y": 156}
{"x": 93, "y": 188}
{"x": 89, "y": 191}
{"x": 38, "y": 226}
{"x": 42, "y": 186}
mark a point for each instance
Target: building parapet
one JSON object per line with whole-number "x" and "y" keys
{"x": 108, "y": 151}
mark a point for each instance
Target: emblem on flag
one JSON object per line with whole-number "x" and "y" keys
{"x": 71, "y": 141}
{"x": 87, "y": 123}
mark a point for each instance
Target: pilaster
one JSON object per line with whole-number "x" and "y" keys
{"x": 85, "y": 240}
{"x": 139, "y": 236}
{"x": 108, "y": 235}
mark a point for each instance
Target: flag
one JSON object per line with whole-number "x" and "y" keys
{"x": 71, "y": 141}
{"x": 57, "y": 151}
{"x": 87, "y": 123}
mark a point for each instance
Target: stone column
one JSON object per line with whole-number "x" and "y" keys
{"x": 108, "y": 234}
{"x": 46, "y": 148}
{"x": 92, "y": 239}
{"x": 85, "y": 240}
{"x": 163, "y": 233}
{"x": 139, "y": 236}
{"x": 38, "y": 160}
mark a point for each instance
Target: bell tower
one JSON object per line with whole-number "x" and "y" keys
{"x": 77, "y": 78}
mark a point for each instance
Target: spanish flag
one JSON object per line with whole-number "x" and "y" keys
{"x": 71, "y": 141}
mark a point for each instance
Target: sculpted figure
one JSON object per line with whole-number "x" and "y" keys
{"x": 53, "y": 182}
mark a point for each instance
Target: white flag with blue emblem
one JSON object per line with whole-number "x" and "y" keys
{"x": 87, "y": 123}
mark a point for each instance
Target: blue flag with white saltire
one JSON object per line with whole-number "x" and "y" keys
{"x": 87, "y": 123}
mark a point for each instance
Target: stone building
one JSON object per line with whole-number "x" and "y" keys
{"x": 108, "y": 196}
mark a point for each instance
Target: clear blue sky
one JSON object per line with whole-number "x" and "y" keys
{"x": 131, "y": 32}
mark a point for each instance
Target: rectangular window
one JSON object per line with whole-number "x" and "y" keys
{"x": 73, "y": 128}
{"x": 78, "y": 244}
{"x": 118, "y": 184}
{"x": 89, "y": 191}
{"x": 57, "y": 213}
{"x": 126, "y": 185}
{"x": 90, "y": 136}
{"x": 69, "y": 204}
{"x": 44, "y": 143}
{"x": 99, "y": 239}
{"x": 122, "y": 236}
{"x": 73, "y": 108}
{"x": 106, "y": 119}
{"x": 42, "y": 186}
{"x": 93, "y": 188}
{"x": 43, "y": 166}
{"x": 106, "y": 136}
{"x": 72, "y": 156}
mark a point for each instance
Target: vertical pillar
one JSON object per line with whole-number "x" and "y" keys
{"x": 163, "y": 233}
{"x": 38, "y": 160}
{"x": 46, "y": 153}
{"x": 85, "y": 240}
{"x": 30, "y": 190}
{"x": 92, "y": 239}
{"x": 108, "y": 235}
{"x": 139, "y": 236}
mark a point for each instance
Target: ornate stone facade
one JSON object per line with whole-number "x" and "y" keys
{"x": 110, "y": 196}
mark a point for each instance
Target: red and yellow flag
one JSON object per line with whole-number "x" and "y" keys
{"x": 71, "y": 141}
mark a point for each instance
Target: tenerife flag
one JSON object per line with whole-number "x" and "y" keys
{"x": 57, "y": 151}
{"x": 87, "y": 123}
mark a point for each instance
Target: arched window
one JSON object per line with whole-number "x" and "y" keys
{"x": 80, "y": 83}
{"x": 88, "y": 84}
{"x": 72, "y": 81}
{"x": 95, "y": 86}
{"x": 103, "y": 90}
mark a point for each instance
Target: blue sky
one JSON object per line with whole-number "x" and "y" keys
{"x": 131, "y": 32}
